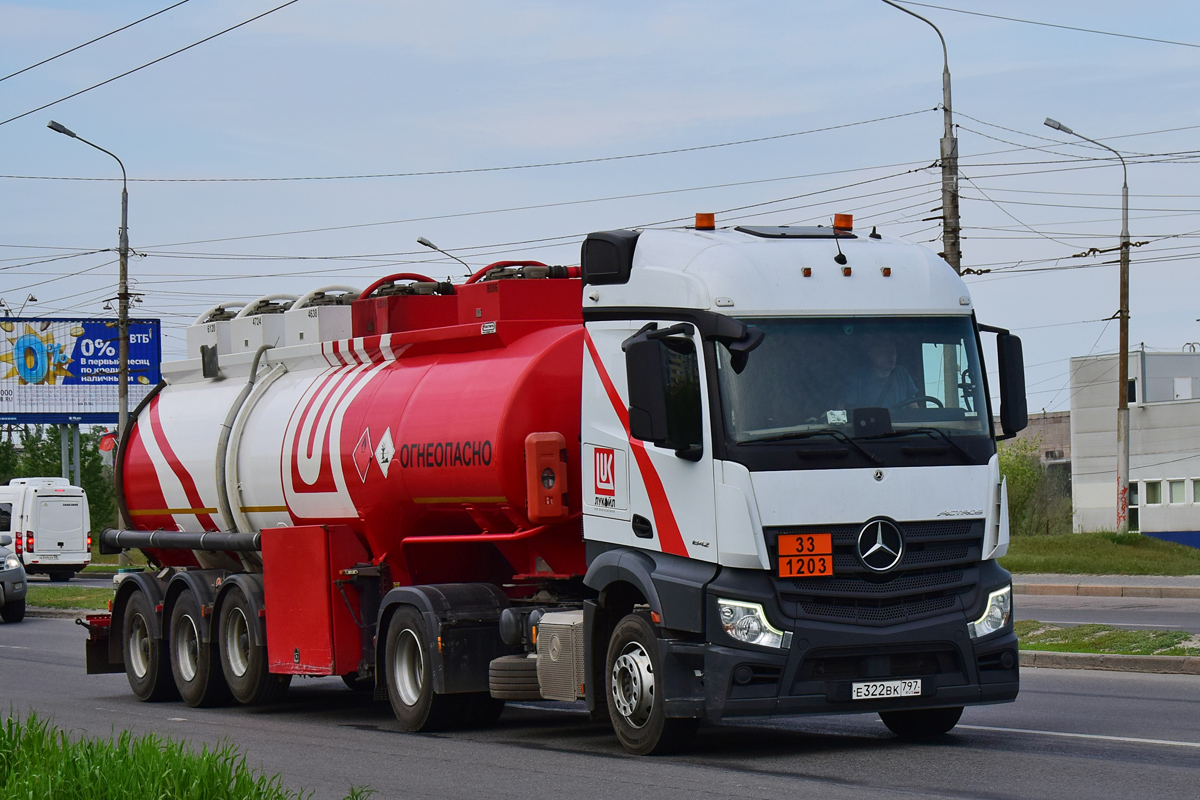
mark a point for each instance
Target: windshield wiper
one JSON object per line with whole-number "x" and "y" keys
{"x": 935, "y": 433}
{"x": 831, "y": 432}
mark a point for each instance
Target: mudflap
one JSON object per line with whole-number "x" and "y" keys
{"x": 96, "y": 646}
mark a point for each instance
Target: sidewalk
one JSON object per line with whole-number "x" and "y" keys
{"x": 1181, "y": 586}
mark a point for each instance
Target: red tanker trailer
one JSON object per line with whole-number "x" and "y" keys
{"x": 616, "y": 482}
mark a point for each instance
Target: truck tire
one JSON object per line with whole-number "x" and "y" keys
{"x": 408, "y": 671}
{"x": 514, "y": 678}
{"x": 195, "y": 664}
{"x": 147, "y": 665}
{"x": 243, "y": 663}
{"x": 924, "y": 723}
{"x": 634, "y": 703}
{"x": 13, "y": 611}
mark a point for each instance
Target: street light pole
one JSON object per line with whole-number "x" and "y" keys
{"x": 122, "y": 295}
{"x": 951, "y": 227}
{"x": 1123, "y": 353}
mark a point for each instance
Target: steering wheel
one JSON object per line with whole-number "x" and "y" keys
{"x": 917, "y": 398}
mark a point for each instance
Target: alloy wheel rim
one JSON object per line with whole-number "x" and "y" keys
{"x": 187, "y": 648}
{"x": 633, "y": 685}
{"x": 408, "y": 667}
{"x": 139, "y": 646}
{"x": 237, "y": 643}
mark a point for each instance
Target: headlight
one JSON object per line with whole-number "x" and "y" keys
{"x": 747, "y": 622}
{"x": 11, "y": 562}
{"x": 996, "y": 614}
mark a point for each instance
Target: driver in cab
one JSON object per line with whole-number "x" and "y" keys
{"x": 879, "y": 382}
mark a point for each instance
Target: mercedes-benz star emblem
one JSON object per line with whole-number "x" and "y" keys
{"x": 880, "y": 545}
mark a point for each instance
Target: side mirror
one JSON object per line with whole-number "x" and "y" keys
{"x": 663, "y": 374}
{"x": 5, "y": 540}
{"x": 1014, "y": 409}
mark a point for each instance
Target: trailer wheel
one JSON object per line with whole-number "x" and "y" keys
{"x": 634, "y": 697}
{"x": 13, "y": 611}
{"x": 923, "y": 723}
{"x": 244, "y": 663}
{"x": 194, "y": 662}
{"x": 409, "y": 676}
{"x": 147, "y": 665}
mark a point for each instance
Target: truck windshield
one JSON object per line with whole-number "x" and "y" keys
{"x": 823, "y": 374}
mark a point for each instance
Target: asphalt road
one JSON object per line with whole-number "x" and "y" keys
{"x": 1071, "y": 734}
{"x": 1126, "y": 612}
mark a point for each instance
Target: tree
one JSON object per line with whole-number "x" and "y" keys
{"x": 1038, "y": 501}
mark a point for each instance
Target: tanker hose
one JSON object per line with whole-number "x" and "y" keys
{"x": 113, "y": 541}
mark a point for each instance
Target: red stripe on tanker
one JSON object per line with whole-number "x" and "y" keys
{"x": 181, "y": 473}
{"x": 668, "y": 528}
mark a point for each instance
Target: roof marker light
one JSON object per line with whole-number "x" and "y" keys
{"x": 887, "y": 271}
{"x": 846, "y": 271}
{"x": 706, "y": 222}
{"x": 807, "y": 272}
{"x": 843, "y": 222}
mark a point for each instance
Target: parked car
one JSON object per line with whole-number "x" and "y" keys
{"x": 12, "y": 582}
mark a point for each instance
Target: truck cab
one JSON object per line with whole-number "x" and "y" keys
{"x": 789, "y": 463}
{"x": 50, "y": 524}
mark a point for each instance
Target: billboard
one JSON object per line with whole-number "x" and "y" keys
{"x": 65, "y": 370}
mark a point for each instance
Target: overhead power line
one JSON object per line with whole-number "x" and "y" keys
{"x": 91, "y": 41}
{"x": 465, "y": 171}
{"x": 1050, "y": 24}
{"x": 148, "y": 63}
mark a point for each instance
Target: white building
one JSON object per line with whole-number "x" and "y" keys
{"x": 1164, "y": 444}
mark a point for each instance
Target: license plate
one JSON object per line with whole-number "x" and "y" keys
{"x": 805, "y": 555}
{"x": 879, "y": 690}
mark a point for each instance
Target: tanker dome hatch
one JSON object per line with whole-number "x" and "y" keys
{"x": 785, "y": 271}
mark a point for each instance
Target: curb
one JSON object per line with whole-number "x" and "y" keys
{"x": 1085, "y": 590}
{"x": 60, "y": 613}
{"x": 1174, "y": 665}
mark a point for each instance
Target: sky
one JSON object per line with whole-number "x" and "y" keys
{"x": 841, "y": 94}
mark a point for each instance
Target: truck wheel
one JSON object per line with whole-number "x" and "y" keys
{"x": 244, "y": 663}
{"x": 147, "y": 665}
{"x": 409, "y": 675}
{"x": 13, "y": 611}
{"x": 194, "y": 662}
{"x": 514, "y": 678}
{"x": 631, "y": 685}
{"x": 924, "y": 723}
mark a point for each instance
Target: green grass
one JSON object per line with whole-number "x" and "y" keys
{"x": 1100, "y": 554}
{"x": 39, "y": 760}
{"x": 89, "y": 597}
{"x": 1035, "y": 635}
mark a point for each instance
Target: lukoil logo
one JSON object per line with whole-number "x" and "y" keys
{"x": 606, "y": 483}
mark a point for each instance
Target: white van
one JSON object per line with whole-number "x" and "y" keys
{"x": 49, "y": 522}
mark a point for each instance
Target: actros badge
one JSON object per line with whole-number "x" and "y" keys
{"x": 880, "y": 545}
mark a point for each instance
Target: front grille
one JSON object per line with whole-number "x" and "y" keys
{"x": 939, "y": 566}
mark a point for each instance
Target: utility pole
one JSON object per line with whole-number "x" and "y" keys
{"x": 951, "y": 227}
{"x": 1123, "y": 354}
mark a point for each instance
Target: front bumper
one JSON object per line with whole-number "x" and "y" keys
{"x": 721, "y": 678}
{"x": 13, "y": 585}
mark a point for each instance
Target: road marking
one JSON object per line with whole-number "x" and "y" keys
{"x": 1064, "y": 734}
{"x": 12, "y": 647}
{"x": 176, "y": 719}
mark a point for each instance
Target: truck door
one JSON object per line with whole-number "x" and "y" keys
{"x": 661, "y": 495}
{"x": 59, "y": 526}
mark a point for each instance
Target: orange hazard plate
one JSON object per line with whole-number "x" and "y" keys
{"x": 805, "y": 555}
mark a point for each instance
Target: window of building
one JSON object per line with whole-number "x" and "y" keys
{"x": 1134, "y": 525}
{"x": 1175, "y": 492}
{"x": 1196, "y": 490}
{"x": 1153, "y": 493}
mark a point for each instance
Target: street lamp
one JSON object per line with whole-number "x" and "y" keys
{"x": 122, "y": 293}
{"x": 951, "y": 227}
{"x": 421, "y": 240}
{"x": 1123, "y": 355}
